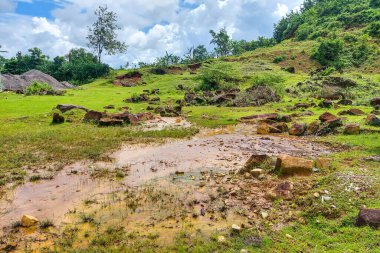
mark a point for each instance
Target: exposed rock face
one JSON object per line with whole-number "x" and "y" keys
{"x": 297, "y": 129}
{"x": 369, "y": 217}
{"x": 352, "y": 129}
{"x": 373, "y": 120}
{"x": 289, "y": 165}
{"x": 66, "y": 107}
{"x": 58, "y": 119}
{"x": 18, "y": 83}
{"x": 28, "y": 221}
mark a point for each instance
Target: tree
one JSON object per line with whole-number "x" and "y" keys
{"x": 375, "y": 3}
{"x": 200, "y": 53}
{"x": 222, "y": 42}
{"x": 102, "y": 35}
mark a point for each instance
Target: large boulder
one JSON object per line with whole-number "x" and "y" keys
{"x": 297, "y": 129}
{"x": 289, "y": 165}
{"x": 373, "y": 120}
{"x": 369, "y": 217}
{"x": 18, "y": 83}
{"x": 28, "y": 221}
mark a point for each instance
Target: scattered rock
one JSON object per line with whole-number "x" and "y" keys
{"x": 312, "y": 128}
{"x": 283, "y": 190}
{"x": 327, "y": 116}
{"x": 297, "y": 129}
{"x": 373, "y": 120}
{"x": 326, "y": 104}
{"x": 375, "y": 102}
{"x": 58, "y": 119}
{"x": 257, "y": 172}
{"x": 289, "y": 165}
{"x": 110, "y": 122}
{"x": 235, "y": 228}
{"x": 352, "y": 111}
{"x": 66, "y": 107}
{"x": 28, "y": 221}
{"x": 369, "y": 217}
{"x": 93, "y": 116}
{"x": 352, "y": 128}
{"x": 221, "y": 239}
{"x": 345, "y": 102}
{"x": 339, "y": 82}
{"x": 264, "y": 215}
{"x": 302, "y": 105}
{"x": 256, "y": 161}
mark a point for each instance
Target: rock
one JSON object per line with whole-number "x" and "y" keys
{"x": 283, "y": 190}
{"x": 280, "y": 127}
{"x": 375, "y": 102}
{"x": 352, "y": 128}
{"x": 345, "y": 102}
{"x": 284, "y": 118}
{"x": 312, "y": 128}
{"x": 334, "y": 123}
{"x": 243, "y": 251}
{"x": 110, "y": 122}
{"x": 302, "y": 105}
{"x": 28, "y": 221}
{"x": 93, "y": 116}
{"x": 221, "y": 239}
{"x": 257, "y": 172}
{"x": 269, "y": 116}
{"x": 263, "y": 128}
{"x": 289, "y": 165}
{"x": 66, "y": 107}
{"x": 256, "y": 161}
{"x": 58, "y": 119}
{"x": 264, "y": 215}
{"x": 327, "y": 116}
{"x": 323, "y": 163}
{"x": 109, "y": 107}
{"x": 329, "y": 126}
{"x": 373, "y": 120}
{"x": 307, "y": 113}
{"x": 297, "y": 129}
{"x": 352, "y": 111}
{"x": 338, "y": 82}
{"x": 326, "y": 104}
{"x": 369, "y": 217}
{"x": 235, "y": 227}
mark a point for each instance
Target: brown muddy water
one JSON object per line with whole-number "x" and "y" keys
{"x": 209, "y": 151}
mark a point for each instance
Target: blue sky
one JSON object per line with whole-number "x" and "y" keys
{"x": 149, "y": 27}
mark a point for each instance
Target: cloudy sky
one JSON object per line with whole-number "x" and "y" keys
{"x": 149, "y": 27}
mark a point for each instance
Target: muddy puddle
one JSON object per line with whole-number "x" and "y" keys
{"x": 217, "y": 151}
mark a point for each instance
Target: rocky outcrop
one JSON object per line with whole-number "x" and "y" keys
{"x": 297, "y": 129}
{"x": 67, "y": 107}
{"x": 369, "y": 217}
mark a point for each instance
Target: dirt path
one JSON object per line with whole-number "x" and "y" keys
{"x": 52, "y": 199}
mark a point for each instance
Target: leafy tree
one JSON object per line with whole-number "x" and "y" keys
{"x": 102, "y": 35}
{"x": 374, "y": 29}
{"x": 200, "y": 54}
{"x": 222, "y": 42}
{"x": 167, "y": 60}
{"x": 375, "y": 3}
{"x": 286, "y": 28}
{"x": 329, "y": 52}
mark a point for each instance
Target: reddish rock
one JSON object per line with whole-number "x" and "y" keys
{"x": 289, "y": 165}
{"x": 93, "y": 116}
{"x": 281, "y": 126}
{"x": 373, "y": 120}
{"x": 297, "y": 129}
{"x": 352, "y": 111}
{"x": 327, "y": 116}
{"x": 369, "y": 217}
{"x": 312, "y": 128}
{"x": 352, "y": 128}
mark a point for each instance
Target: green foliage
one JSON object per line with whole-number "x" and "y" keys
{"x": 329, "y": 53}
{"x": 287, "y": 26}
{"x": 374, "y": 3}
{"x": 272, "y": 80}
{"x": 303, "y": 32}
{"x": 200, "y": 54}
{"x": 215, "y": 76}
{"x": 374, "y": 29}
{"x": 167, "y": 60}
{"x": 102, "y": 35}
{"x": 222, "y": 42}
{"x": 37, "y": 88}
{"x": 279, "y": 59}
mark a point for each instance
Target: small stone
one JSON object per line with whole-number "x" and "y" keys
{"x": 28, "y": 221}
{"x": 316, "y": 195}
{"x": 264, "y": 215}
{"x": 256, "y": 172}
{"x": 221, "y": 239}
{"x": 289, "y": 236}
{"x": 243, "y": 251}
{"x": 235, "y": 227}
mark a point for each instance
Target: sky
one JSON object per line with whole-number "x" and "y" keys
{"x": 148, "y": 27}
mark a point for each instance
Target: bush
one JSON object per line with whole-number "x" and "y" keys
{"x": 217, "y": 76}
{"x": 329, "y": 52}
{"x": 303, "y": 32}
{"x": 374, "y": 3}
{"x": 274, "y": 81}
{"x": 279, "y": 59}
{"x": 374, "y": 29}
{"x": 37, "y": 88}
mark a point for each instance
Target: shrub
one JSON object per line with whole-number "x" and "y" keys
{"x": 37, "y": 88}
{"x": 279, "y": 59}
{"x": 374, "y": 29}
{"x": 274, "y": 81}
{"x": 303, "y": 32}
{"x": 215, "y": 76}
{"x": 374, "y": 3}
{"x": 329, "y": 52}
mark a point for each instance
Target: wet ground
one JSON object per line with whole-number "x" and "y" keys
{"x": 217, "y": 151}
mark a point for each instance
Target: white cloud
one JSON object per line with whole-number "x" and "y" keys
{"x": 7, "y": 6}
{"x": 149, "y": 27}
